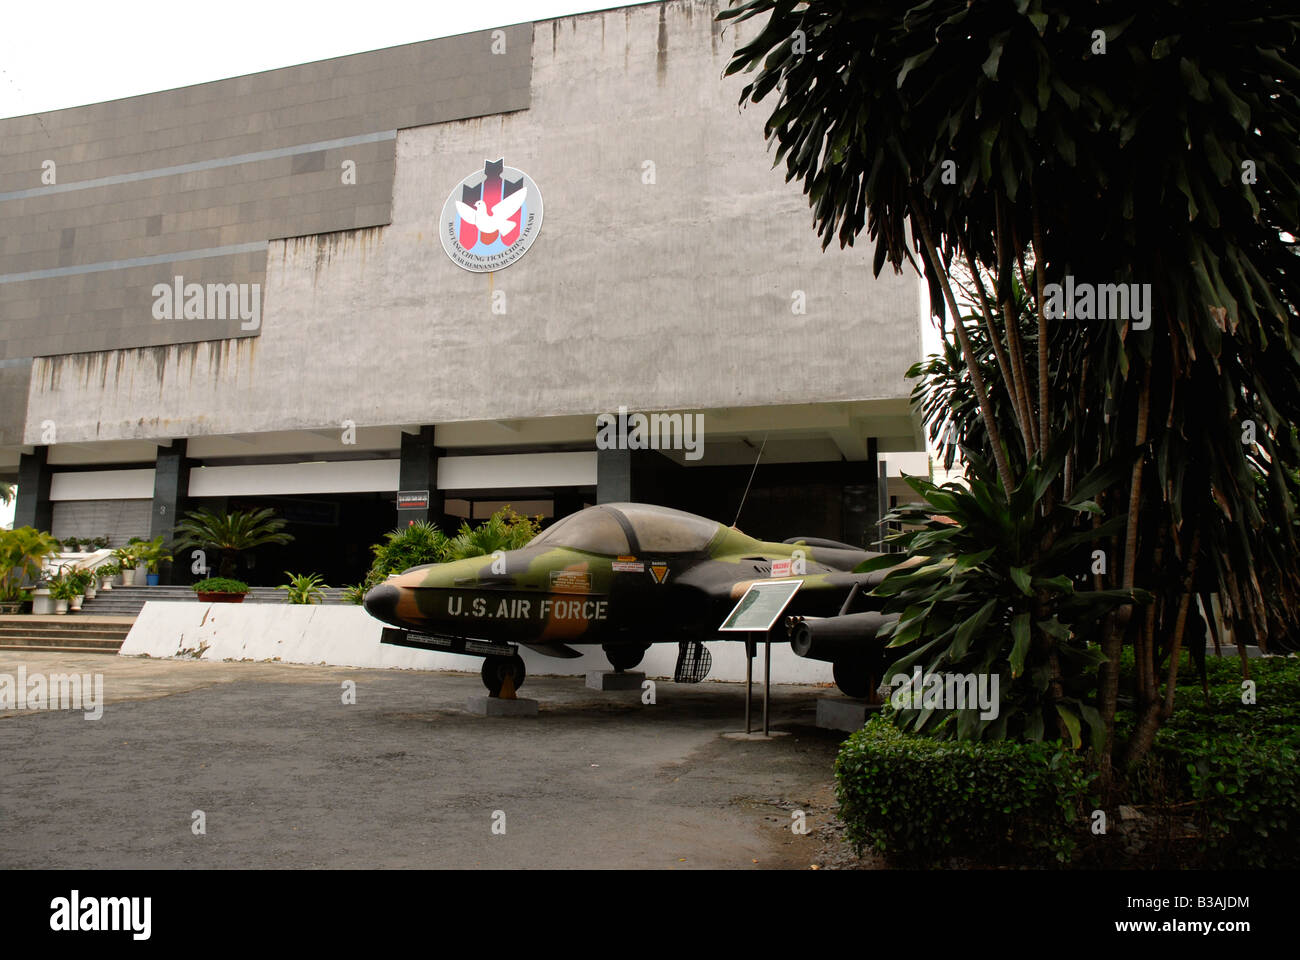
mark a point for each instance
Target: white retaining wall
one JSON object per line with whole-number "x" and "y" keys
{"x": 348, "y": 636}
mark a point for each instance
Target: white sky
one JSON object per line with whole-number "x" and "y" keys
{"x": 55, "y": 55}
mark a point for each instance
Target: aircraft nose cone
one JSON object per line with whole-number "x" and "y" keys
{"x": 381, "y": 602}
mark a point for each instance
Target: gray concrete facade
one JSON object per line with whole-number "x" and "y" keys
{"x": 667, "y": 273}
{"x": 675, "y": 270}
{"x": 100, "y": 203}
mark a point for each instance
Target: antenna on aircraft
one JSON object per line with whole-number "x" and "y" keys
{"x": 751, "y": 479}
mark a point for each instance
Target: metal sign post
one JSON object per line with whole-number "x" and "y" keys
{"x": 767, "y": 679}
{"x": 749, "y": 680}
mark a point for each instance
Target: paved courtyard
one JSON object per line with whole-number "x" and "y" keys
{"x": 288, "y": 775}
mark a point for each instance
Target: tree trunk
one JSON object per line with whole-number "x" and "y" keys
{"x": 972, "y": 365}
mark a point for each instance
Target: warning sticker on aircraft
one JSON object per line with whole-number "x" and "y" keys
{"x": 570, "y": 581}
{"x": 628, "y": 566}
{"x": 659, "y": 571}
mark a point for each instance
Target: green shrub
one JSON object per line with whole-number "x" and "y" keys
{"x": 923, "y": 802}
{"x": 422, "y": 542}
{"x": 411, "y": 546}
{"x": 1234, "y": 763}
{"x": 303, "y": 588}
{"x": 220, "y": 585}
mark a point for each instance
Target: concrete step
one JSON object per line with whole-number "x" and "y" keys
{"x": 70, "y": 633}
{"x": 64, "y": 633}
{"x": 47, "y": 642}
{"x": 108, "y": 651}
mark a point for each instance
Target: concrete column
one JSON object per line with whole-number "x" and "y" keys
{"x": 860, "y": 506}
{"x": 613, "y": 476}
{"x": 419, "y": 471}
{"x": 33, "y": 507}
{"x": 640, "y": 476}
{"x": 171, "y": 486}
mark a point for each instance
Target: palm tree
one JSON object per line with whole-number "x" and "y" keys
{"x": 230, "y": 533}
{"x": 6, "y": 492}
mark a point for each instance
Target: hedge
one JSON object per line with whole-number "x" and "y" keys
{"x": 923, "y": 802}
{"x": 1228, "y": 770}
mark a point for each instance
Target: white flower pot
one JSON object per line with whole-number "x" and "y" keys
{"x": 128, "y": 576}
{"x": 76, "y": 602}
{"x": 42, "y": 602}
{"x": 60, "y": 606}
{"x": 106, "y": 584}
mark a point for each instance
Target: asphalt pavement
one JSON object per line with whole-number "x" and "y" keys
{"x": 281, "y": 772}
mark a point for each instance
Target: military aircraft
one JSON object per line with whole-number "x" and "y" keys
{"x": 626, "y": 575}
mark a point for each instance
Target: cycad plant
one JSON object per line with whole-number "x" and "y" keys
{"x": 228, "y": 534}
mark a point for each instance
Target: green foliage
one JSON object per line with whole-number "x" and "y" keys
{"x": 1234, "y": 763}
{"x": 984, "y": 596}
{"x": 422, "y": 542}
{"x": 6, "y": 492}
{"x": 303, "y": 588}
{"x": 151, "y": 553}
{"x": 231, "y": 533}
{"x": 128, "y": 555}
{"x": 411, "y": 546}
{"x": 923, "y": 802}
{"x": 1229, "y": 770}
{"x": 220, "y": 585}
{"x": 81, "y": 580}
{"x": 354, "y": 593}
{"x": 22, "y": 554}
{"x": 1164, "y": 164}
{"x": 504, "y": 530}
{"x": 64, "y": 585}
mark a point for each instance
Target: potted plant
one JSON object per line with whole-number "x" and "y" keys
{"x": 92, "y": 582}
{"x": 221, "y": 590}
{"x": 79, "y": 579}
{"x": 106, "y": 572}
{"x": 152, "y": 553}
{"x": 62, "y": 589}
{"x": 127, "y": 561}
{"x": 304, "y": 587}
{"x": 22, "y": 556}
{"x": 100, "y": 543}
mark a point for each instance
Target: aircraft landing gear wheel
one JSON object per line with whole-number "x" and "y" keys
{"x": 854, "y": 678}
{"x": 496, "y": 669}
{"x": 623, "y": 656}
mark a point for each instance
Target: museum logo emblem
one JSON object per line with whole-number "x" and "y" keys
{"x": 491, "y": 218}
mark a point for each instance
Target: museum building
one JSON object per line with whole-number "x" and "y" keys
{"x": 442, "y": 270}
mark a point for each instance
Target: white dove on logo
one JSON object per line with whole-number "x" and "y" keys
{"x": 498, "y": 221}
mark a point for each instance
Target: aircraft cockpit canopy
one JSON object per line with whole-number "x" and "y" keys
{"x": 605, "y": 529}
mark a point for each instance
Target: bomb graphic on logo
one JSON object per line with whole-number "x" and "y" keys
{"x": 491, "y": 218}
